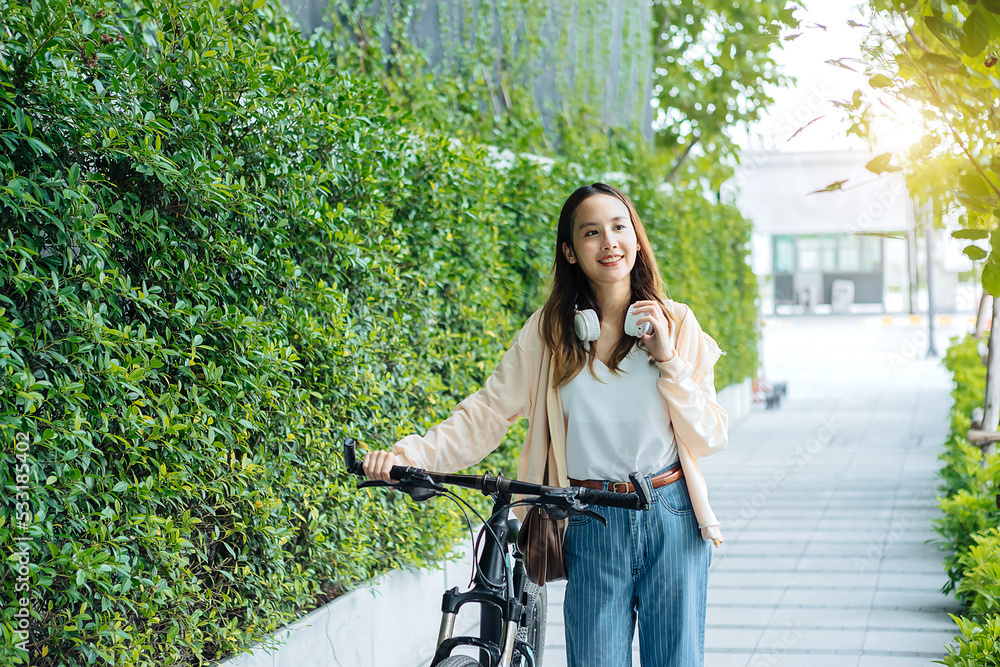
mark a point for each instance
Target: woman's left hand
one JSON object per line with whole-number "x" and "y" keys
{"x": 657, "y": 342}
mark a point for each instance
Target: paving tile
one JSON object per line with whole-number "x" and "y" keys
{"x": 764, "y": 597}
{"x": 795, "y": 637}
{"x": 930, "y": 642}
{"x": 737, "y": 563}
{"x": 827, "y": 597}
{"x": 777, "y": 536}
{"x": 855, "y": 618}
{"x": 732, "y": 638}
{"x": 887, "y": 619}
{"x": 739, "y": 547}
{"x": 828, "y": 564}
{"x": 729, "y": 579}
{"x": 927, "y": 601}
{"x": 895, "y": 661}
{"x": 929, "y": 565}
{"x": 833, "y": 580}
{"x": 724, "y": 658}
{"x": 736, "y": 615}
{"x": 799, "y": 659}
{"x": 912, "y": 580}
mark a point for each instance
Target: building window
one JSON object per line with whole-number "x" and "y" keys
{"x": 809, "y": 253}
{"x": 784, "y": 254}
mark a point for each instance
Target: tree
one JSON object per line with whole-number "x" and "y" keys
{"x": 939, "y": 58}
{"x": 713, "y": 65}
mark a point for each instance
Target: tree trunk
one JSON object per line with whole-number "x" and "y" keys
{"x": 991, "y": 414}
{"x": 985, "y": 306}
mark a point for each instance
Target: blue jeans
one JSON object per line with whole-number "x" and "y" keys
{"x": 646, "y": 566}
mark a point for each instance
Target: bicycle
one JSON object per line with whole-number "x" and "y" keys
{"x": 512, "y": 611}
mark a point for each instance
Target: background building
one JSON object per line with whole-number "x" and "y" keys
{"x": 852, "y": 249}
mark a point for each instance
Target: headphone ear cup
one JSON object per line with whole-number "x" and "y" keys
{"x": 587, "y": 325}
{"x": 631, "y": 327}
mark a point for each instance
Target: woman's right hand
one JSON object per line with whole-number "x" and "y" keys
{"x": 378, "y": 464}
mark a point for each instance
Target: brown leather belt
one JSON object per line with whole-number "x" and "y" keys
{"x": 626, "y": 487}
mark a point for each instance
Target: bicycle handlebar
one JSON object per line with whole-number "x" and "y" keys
{"x": 414, "y": 479}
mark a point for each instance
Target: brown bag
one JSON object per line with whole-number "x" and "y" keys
{"x": 540, "y": 541}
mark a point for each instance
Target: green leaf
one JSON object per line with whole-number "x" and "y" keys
{"x": 880, "y": 164}
{"x": 974, "y": 252}
{"x": 975, "y": 185}
{"x": 971, "y": 234}
{"x": 991, "y": 277}
{"x": 120, "y": 487}
{"x": 976, "y": 33}
{"x": 836, "y": 185}
{"x": 88, "y": 26}
{"x": 880, "y": 81}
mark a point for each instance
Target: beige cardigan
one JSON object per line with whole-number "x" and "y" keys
{"x": 523, "y": 386}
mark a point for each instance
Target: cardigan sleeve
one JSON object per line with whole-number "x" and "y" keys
{"x": 687, "y": 383}
{"x": 477, "y": 425}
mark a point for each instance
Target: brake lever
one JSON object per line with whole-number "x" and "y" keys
{"x": 420, "y": 486}
{"x": 373, "y": 482}
{"x": 563, "y": 504}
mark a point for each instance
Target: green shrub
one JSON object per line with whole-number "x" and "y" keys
{"x": 968, "y": 487}
{"x": 977, "y": 646}
{"x": 968, "y": 373}
{"x": 221, "y": 257}
{"x": 980, "y": 566}
{"x": 970, "y": 527}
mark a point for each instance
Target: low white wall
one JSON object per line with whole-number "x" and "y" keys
{"x": 394, "y": 621}
{"x": 737, "y": 400}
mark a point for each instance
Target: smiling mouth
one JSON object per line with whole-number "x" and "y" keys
{"x": 611, "y": 260}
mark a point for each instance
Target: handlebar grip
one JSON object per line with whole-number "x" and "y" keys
{"x": 398, "y": 472}
{"x": 355, "y": 467}
{"x": 627, "y": 501}
{"x": 351, "y": 458}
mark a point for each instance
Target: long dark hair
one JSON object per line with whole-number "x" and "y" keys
{"x": 571, "y": 290}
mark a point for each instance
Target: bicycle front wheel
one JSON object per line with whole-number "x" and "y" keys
{"x": 459, "y": 661}
{"x": 533, "y": 631}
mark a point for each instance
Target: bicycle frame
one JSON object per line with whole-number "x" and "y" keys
{"x": 499, "y": 595}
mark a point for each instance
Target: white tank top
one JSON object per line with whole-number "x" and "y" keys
{"x": 618, "y": 425}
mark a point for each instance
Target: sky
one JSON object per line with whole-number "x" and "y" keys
{"x": 808, "y": 103}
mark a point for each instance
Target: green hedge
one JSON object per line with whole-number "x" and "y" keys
{"x": 222, "y": 255}
{"x": 970, "y": 528}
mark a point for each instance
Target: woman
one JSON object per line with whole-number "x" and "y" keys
{"x": 599, "y": 409}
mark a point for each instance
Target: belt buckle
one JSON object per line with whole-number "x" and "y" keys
{"x": 614, "y": 486}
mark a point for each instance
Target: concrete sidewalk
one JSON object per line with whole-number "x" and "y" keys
{"x": 826, "y": 504}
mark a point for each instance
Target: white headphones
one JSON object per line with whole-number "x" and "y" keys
{"x": 588, "y": 326}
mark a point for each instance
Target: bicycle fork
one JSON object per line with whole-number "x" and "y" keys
{"x": 493, "y": 590}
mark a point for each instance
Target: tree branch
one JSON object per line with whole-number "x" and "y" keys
{"x": 680, "y": 161}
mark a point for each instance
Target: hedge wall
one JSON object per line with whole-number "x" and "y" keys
{"x": 221, "y": 255}
{"x": 970, "y": 527}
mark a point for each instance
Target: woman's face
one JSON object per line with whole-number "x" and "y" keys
{"x": 604, "y": 240}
